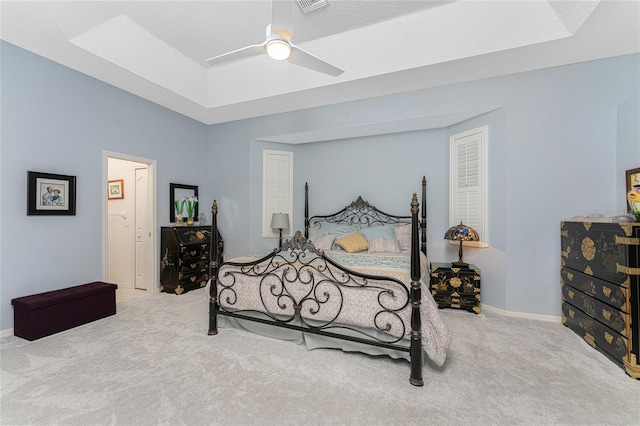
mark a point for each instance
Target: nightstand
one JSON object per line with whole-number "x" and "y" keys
{"x": 454, "y": 287}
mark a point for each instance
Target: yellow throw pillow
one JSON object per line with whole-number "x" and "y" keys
{"x": 353, "y": 243}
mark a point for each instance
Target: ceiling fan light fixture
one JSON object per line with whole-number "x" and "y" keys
{"x": 278, "y": 49}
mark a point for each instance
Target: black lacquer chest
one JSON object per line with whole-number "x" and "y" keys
{"x": 600, "y": 277}
{"x": 184, "y": 255}
{"x": 454, "y": 287}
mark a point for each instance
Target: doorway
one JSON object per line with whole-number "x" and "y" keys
{"x": 130, "y": 224}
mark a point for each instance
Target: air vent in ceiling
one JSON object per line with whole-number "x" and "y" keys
{"x": 309, "y": 5}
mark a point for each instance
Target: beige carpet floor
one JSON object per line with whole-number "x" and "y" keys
{"x": 154, "y": 364}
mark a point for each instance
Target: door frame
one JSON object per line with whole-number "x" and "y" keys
{"x": 146, "y": 208}
{"x": 153, "y": 214}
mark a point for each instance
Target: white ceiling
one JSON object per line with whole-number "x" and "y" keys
{"x": 157, "y": 49}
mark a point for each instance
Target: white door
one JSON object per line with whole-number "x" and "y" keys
{"x": 143, "y": 233}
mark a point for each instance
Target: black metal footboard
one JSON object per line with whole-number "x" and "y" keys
{"x": 298, "y": 287}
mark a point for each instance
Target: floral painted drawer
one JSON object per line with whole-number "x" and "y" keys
{"x": 617, "y": 296}
{"x": 615, "y": 319}
{"x": 604, "y": 250}
{"x": 601, "y": 337}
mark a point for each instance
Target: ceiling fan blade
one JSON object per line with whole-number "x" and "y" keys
{"x": 244, "y": 52}
{"x": 282, "y": 18}
{"x": 305, "y": 59}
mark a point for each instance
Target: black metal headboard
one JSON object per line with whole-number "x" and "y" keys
{"x": 361, "y": 213}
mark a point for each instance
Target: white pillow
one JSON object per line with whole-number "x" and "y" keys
{"x": 324, "y": 242}
{"x": 403, "y": 235}
{"x": 312, "y": 232}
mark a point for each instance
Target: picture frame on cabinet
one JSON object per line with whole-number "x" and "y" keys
{"x": 50, "y": 194}
{"x": 178, "y": 191}
{"x": 115, "y": 189}
{"x": 632, "y": 178}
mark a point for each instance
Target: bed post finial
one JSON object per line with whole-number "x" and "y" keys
{"x": 306, "y": 210}
{"x": 415, "y": 349}
{"x": 423, "y": 223}
{"x": 214, "y": 255}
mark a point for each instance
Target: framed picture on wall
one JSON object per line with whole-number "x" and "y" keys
{"x": 50, "y": 194}
{"x": 115, "y": 189}
{"x": 632, "y": 179}
{"x": 177, "y": 192}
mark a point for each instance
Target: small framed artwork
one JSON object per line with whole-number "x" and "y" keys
{"x": 633, "y": 180}
{"x": 177, "y": 192}
{"x": 50, "y": 194}
{"x": 115, "y": 189}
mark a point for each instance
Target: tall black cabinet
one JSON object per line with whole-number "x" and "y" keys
{"x": 184, "y": 254}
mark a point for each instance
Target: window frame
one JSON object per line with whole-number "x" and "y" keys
{"x": 481, "y": 135}
{"x": 267, "y": 155}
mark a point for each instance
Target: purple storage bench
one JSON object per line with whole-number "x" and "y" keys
{"x": 43, "y": 314}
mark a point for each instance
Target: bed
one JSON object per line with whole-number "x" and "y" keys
{"x": 323, "y": 289}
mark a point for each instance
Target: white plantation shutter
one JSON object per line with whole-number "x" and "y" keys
{"x": 277, "y": 189}
{"x": 468, "y": 195}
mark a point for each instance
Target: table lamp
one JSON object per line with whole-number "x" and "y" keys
{"x": 280, "y": 221}
{"x": 461, "y": 233}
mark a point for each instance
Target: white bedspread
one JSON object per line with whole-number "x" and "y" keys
{"x": 378, "y": 304}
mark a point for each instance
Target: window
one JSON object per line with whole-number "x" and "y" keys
{"x": 468, "y": 182}
{"x": 277, "y": 189}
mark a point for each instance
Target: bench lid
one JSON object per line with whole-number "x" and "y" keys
{"x": 54, "y": 297}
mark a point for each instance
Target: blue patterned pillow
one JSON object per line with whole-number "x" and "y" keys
{"x": 382, "y": 239}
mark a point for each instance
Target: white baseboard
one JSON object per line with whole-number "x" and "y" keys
{"x": 513, "y": 314}
{"x": 484, "y": 307}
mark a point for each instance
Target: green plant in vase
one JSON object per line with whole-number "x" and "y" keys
{"x": 179, "y": 207}
{"x": 191, "y": 209}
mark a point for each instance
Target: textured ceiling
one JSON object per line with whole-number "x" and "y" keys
{"x": 157, "y": 49}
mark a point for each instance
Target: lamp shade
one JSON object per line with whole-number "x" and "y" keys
{"x": 461, "y": 233}
{"x": 280, "y": 221}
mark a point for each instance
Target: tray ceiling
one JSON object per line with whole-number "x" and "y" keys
{"x": 157, "y": 49}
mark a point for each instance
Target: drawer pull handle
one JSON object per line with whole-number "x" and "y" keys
{"x": 627, "y": 270}
{"x": 590, "y": 340}
{"x": 455, "y": 282}
{"x": 607, "y": 315}
{"x": 193, "y": 279}
{"x": 628, "y": 241}
{"x": 608, "y": 337}
{"x": 606, "y": 291}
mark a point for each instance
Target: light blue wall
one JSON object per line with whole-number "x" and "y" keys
{"x": 628, "y": 153}
{"x": 559, "y": 140}
{"x": 554, "y": 139}
{"x": 59, "y": 121}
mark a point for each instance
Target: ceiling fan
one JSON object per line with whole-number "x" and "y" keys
{"x": 278, "y": 44}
